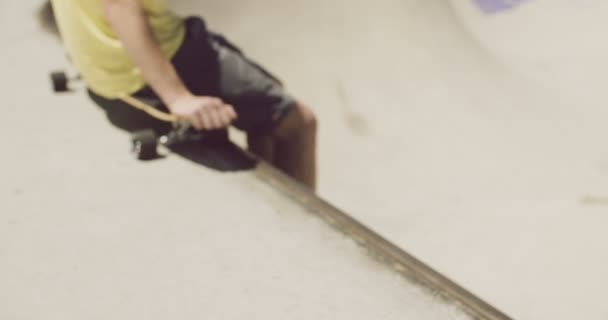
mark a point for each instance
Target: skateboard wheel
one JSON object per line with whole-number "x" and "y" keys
{"x": 144, "y": 145}
{"x": 60, "y": 81}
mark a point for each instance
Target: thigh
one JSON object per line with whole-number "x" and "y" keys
{"x": 259, "y": 98}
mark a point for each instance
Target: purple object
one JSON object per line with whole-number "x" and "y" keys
{"x": 495, "y": 6}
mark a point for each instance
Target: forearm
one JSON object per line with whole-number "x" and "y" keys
{"x": 128, "y": 20}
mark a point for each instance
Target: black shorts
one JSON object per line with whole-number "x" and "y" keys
{"x": 209, "y": 65}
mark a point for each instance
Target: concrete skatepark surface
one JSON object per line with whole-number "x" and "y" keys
{"x": 473, "y": 140}
{"x": 229, "y": 247}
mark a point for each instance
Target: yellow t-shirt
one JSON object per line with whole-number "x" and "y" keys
{"x": 98, "y": 53}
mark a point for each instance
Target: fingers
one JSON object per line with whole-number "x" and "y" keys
{"x": 227, "y": 115}
{"x": 197, "y": 121}
{"x": 230, "y": 113}
{"x": 206, "y": 113}
{"x": 215, "y": 118}
{"x": 216, "y": 115}
{"x": 203, "y": 117}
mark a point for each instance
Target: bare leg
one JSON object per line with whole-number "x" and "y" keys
{"x": 295, "y": 145}
{"x": 262, "y": 146}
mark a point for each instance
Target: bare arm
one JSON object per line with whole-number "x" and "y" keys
{"x": 127, "y": 19}
{"x": 129, "y": 22}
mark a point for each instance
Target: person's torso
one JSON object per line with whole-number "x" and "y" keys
{"x": 98, "y": 53}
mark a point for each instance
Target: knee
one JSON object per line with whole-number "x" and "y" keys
{"x": 300, "y": 122}
{"x": 307, "y": 119}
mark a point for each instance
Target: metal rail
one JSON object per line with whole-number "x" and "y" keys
{"x": 388, "y": 253}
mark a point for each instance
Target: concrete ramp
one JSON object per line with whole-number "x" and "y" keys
{"x": 87, "y": 232}
{"x": 471, "y": 134}
{"x": 120, "y": 239}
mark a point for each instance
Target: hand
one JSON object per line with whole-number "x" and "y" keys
{"x": 204, "y": 113}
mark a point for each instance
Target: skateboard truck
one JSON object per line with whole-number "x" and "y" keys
{"x": 145, "y": 143}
